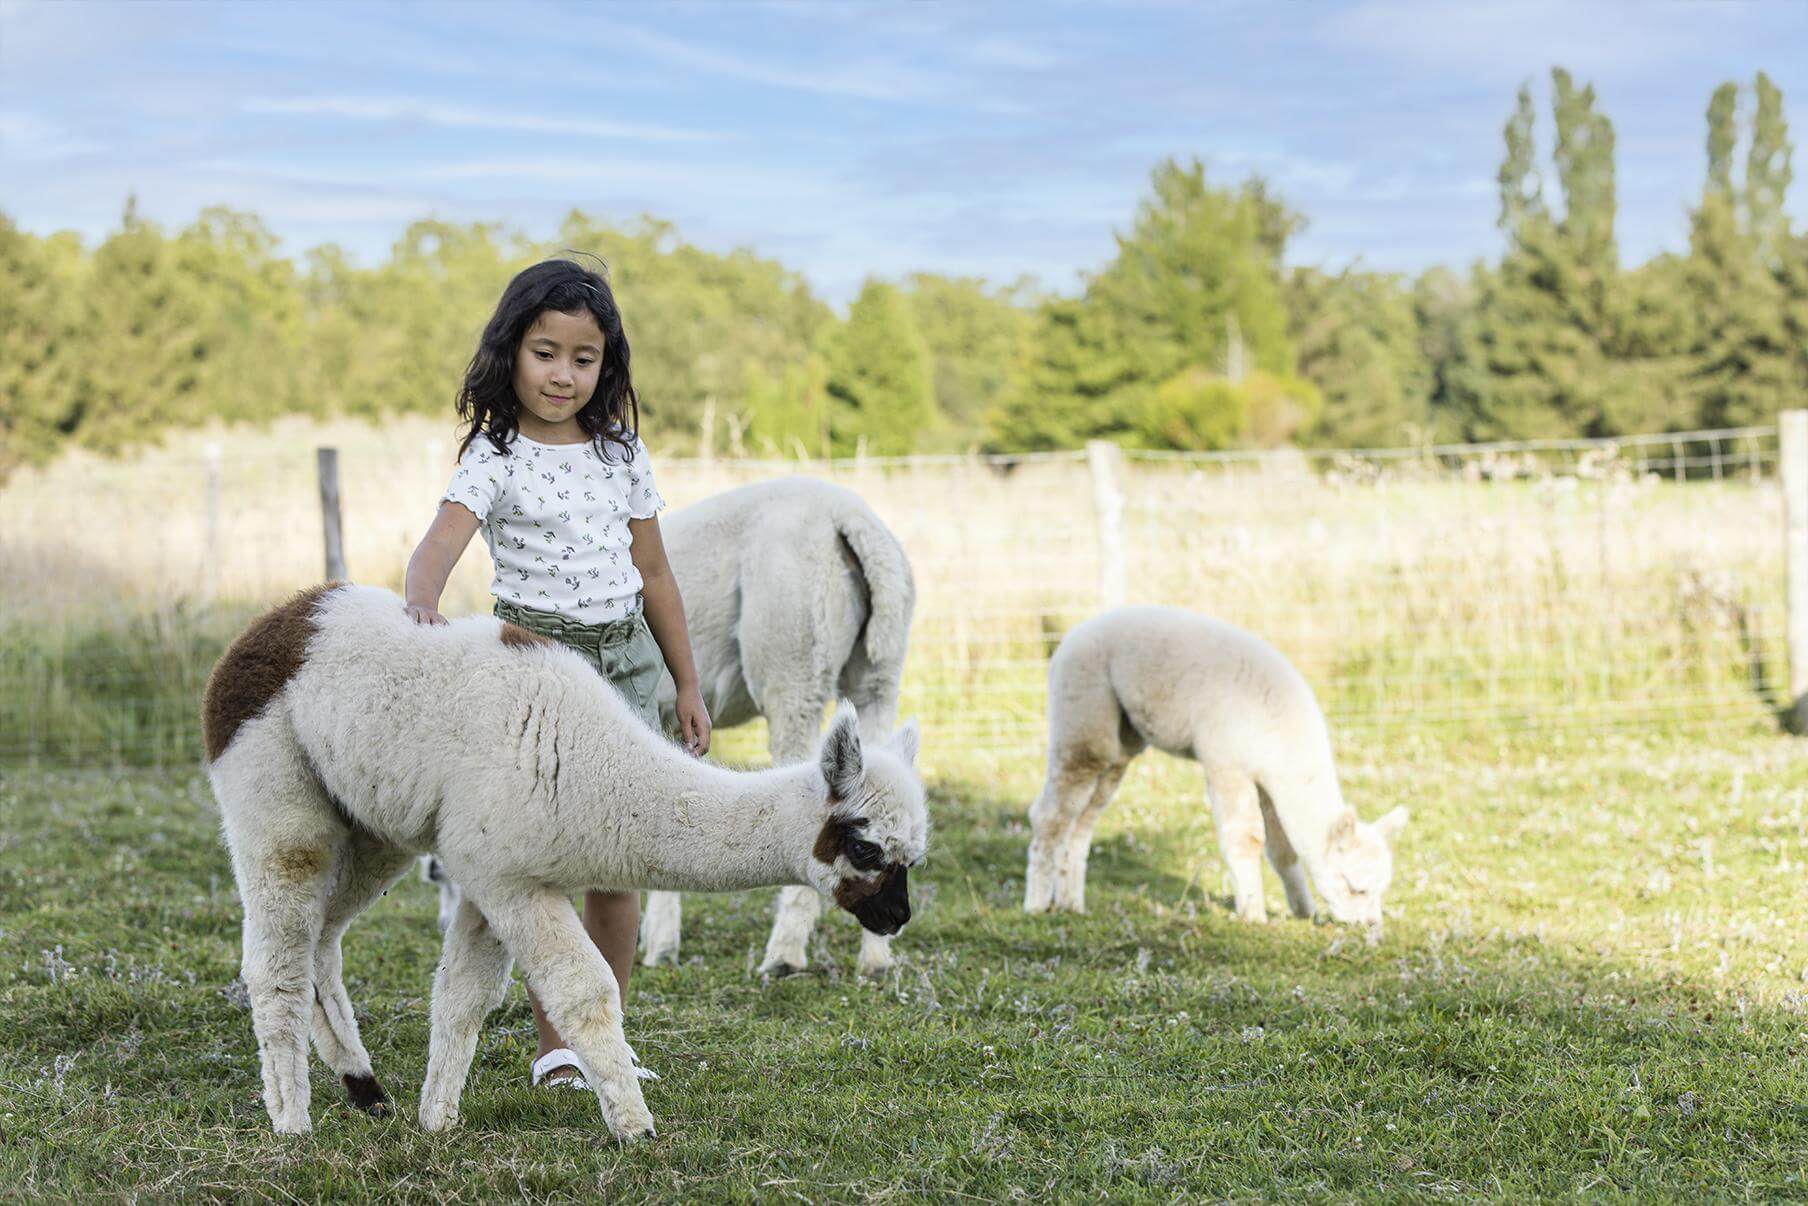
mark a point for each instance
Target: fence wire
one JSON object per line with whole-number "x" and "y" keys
{"x": 1554, "y": 584}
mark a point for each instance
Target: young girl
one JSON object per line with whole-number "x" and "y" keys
{"x": 553, "y": 472}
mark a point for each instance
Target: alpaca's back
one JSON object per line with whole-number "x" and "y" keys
{"x": 794, "y": 578}
{"x": 394, "y": 717}
{"x": 1190, "y": 685}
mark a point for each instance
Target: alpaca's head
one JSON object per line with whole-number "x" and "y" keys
{"x": 877, "y": 827}
{"x": 1358, "y": 866}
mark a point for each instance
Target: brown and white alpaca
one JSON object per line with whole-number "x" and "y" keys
{"x": 1202, "y": 689}
{"x": 343, "y": 740}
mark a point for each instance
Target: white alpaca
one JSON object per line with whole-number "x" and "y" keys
{"x": 342, "y": 740}
{"x": 1202, "y": 689}
{"x": 795, "y": 593}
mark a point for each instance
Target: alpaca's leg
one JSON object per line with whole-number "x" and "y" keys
{"x": 579, "y": 993}
{"x": 875, "y": 954}
{"x": 1237, "y": 809}
{"x": 787, "y": 949}
{"x": 1070, "y": 891}
{"x": 875, "y": 698}
{"x": 473, "y": 978}
{"x": 283, "y": 887}
{"x": 792, "y": 733}
{"x": 434, "y": 872}
{"x": 1286, "y": 862}
{"x": 365, "y": 871}
{"x": 659, "y": 927}
{"x": 1072, "y": 780}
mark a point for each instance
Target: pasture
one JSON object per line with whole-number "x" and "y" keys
{"x": 1593, "y": 980}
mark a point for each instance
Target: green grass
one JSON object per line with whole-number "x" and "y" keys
{"x": 1593, "y": 985}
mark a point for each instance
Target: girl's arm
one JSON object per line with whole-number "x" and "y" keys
{"x": 665, "y": 617}
{"x": 434, "y": 557}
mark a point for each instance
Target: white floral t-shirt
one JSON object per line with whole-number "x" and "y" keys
{"x": 556, "y": 519}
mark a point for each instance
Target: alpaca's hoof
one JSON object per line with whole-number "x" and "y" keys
{"x": 438, "y": 1115}
{"x": 292, "y": 1125}
{"x": 779, "y": 969}
{"x": 633, "y": 1126}
{"x": 656, "y": 956}
{"x": 364, "y": 1093}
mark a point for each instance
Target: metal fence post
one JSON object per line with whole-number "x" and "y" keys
{"x": 1106, "y": 460}
{"x": 327, "y": 462}
{"x": 1792, "y": 472}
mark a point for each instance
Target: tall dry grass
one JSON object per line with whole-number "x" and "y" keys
{"x": 1414, "y": 593}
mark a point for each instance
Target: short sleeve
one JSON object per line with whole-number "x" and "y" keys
{"x": 477, "y": 484}
{"x": 644, "y": 499}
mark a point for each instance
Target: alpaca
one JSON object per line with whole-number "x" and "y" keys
{"x": 794, "y": 591}
{"x": 1202, "y": 689}
{"x": 343, "y": 740}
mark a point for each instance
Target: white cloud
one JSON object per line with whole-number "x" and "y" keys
{"x": 391, "y": 109}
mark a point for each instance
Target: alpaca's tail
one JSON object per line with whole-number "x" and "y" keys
{"x": 890, "y": 586}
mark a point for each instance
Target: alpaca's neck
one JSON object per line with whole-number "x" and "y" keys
{"x": 681, "y": 824}
{"x": 1306, "y": 800}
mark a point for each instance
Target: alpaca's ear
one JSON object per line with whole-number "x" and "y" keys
{"x": 1343, "y": 831}
{"x": 904, "y": 742}
{"x": 1391, "y": 824}
{"x": 842, "y": 764}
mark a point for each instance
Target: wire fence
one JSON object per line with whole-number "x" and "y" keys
{"x": 1564, "y": 584}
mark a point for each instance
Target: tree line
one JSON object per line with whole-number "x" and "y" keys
{"x": 1195, "y": 335}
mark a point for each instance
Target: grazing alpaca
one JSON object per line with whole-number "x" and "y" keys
{"x": 342, "y": 740}
{"x": 1199, "y": 688}
{"x": 795, "y": 593}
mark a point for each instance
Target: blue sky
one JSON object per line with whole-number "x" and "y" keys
{"x": 845, "y": 139}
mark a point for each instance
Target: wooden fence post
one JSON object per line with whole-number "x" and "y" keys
{"x": 1106, "y": 460}
{"x": 1792, "y": 472}
{"x": 211, "y": 572}
{"x": 327, "y": 462}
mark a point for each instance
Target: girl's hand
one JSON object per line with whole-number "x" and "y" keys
{"x": 693, "y": 721}
{"x": 420, "y": 613}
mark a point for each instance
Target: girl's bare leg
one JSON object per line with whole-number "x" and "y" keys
{"x": 612, "y": 919}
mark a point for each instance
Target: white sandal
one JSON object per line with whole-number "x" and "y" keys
{"x": 565, "y": 1057}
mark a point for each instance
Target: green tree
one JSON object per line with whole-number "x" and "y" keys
{"x": 978, "y": 339}
{"x": 1768, "y": 172}
{"x": 879, "y": 386}
{"x": 43, "y": 365}
{"x": 1358, "y": 343}
{"x": 1545, "y": 328}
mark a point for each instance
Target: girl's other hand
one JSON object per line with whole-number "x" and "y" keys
{"x": 693, "y": 721}
{"x": 420, "y": 613}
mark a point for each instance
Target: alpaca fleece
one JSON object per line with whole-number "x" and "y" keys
{"x": 1202, "y": 689}
{"x": 345, "y": 740}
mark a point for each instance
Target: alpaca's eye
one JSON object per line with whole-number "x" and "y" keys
{"x": 865, "y": 855}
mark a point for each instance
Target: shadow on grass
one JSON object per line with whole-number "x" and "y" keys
{"x": 1154, "y": 1046}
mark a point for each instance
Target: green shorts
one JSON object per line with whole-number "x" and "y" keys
{"x": 622, "y": 651}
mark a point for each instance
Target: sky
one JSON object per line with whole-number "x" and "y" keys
{"x": 856, "y": 138}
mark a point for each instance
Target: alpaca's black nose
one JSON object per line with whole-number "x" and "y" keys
{"x": 886, "y": 911}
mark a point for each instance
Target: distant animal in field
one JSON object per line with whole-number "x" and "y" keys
{"x": 1202, "y": 689}
{"x": 343, "y": 740}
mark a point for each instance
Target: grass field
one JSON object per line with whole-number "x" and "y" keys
{"x": 1592, "y": 983}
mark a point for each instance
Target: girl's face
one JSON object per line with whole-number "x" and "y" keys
{"x": 556, "y": 368}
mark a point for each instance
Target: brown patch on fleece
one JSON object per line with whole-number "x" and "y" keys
{"x": 257, "y": 665}
{"x": 834, "y": 836}
{"x": 850, "y": 892}
{"x": 299, "y": 864}
{"x": 516, "y": 637}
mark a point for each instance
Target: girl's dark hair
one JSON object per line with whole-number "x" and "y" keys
{"x": 487, "y": 398}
